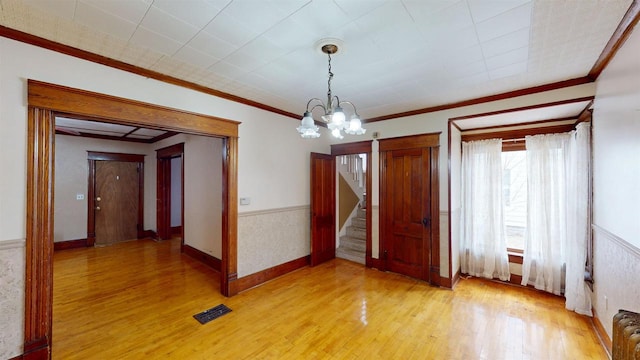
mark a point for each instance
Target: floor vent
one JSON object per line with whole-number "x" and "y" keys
{"x": 211, "y": 314}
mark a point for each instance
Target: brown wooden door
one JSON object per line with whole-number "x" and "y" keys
{"x": 116, "y": 201}
{"x": 408, "y": 212}
{"x": 323, "y": 233}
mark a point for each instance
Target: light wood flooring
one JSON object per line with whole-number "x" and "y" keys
{"x": 136, "y": 300}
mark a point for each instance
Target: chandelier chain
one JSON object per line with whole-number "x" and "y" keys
{"x": 329, "y": 100}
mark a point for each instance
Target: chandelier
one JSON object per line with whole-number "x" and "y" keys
{"x": 333, "y": 112}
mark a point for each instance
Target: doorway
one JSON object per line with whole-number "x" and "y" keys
{"x": 46, "y": 101}
{"x": 409, "y": 210}
{"x": 323, "y": 201}
{"x": 115, "y": 201}
{"x": 170, "y": 192}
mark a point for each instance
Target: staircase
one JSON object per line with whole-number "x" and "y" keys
{"x": 353, "y": 244}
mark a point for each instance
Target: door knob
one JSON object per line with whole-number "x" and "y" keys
{"x": 98, "y": 198}
{"x": 97, "y": 207}
{"x": 425, "y": 222}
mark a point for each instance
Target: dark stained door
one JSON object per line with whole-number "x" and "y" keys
{"x": 323, "y": 234}
{"x": 408, "y": 214}
{"x": 116, "y": 202}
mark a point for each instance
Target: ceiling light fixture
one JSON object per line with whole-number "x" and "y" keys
{"x": 333, "y": 112}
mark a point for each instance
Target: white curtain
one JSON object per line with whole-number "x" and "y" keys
{"x": 544, "y": 249}
{"x": 558, "y": 221}
{"x": 483, "y": 244}
{"x": 577, "y": 294}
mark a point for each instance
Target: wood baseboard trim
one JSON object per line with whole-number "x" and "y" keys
{"x": 249, "y": 281}
{"x": 602, "y": 333}
{"x": 176, "y": 230}
{"x": 203, "y": 257}
{"x": 450, "y": 283}
{"x": 147, "y": 234}
{"x": 70, "y": 244}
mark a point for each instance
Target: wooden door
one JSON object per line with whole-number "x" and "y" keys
{"x": 116, "y": 201}
{"x": 409, "y": 239}
{"x": 408, "y": 214}
{"x": 323, "y": 233}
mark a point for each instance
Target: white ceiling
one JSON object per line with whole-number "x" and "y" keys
{"x": 77, "y": 127}
{"x": 398, "y": 55}
{"x": 551, "y": 112}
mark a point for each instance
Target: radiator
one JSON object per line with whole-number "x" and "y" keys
{"x": 626, "y": 336}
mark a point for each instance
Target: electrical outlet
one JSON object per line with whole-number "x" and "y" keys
{"x": 79, "y": 196}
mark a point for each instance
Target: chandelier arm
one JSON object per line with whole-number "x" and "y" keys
{"x": 316, "y": 99}
{"x": 355, "y": 111}
{"x": 319, "y": 106}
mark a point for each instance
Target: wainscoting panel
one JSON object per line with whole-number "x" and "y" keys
{"x": 375, "y": 231}
{"x": 12, "y": 267}
{"x": 444, "y": 243}
{"x": 616, "y": 273}
{"x": 272, "y": 237}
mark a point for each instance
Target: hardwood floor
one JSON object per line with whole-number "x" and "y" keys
{"x": 136, "y": 300}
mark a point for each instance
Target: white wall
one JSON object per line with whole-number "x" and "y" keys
{"x": 456, "y": 196}
{"x": 71, "y": 178}
{"x": 176, "y": 191}
{"x": 273, "y": 160}
{"x": 616, "y": 184}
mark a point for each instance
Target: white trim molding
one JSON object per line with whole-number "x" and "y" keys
{"x": 12, "y": 244}
{"x": 620, "y": 241}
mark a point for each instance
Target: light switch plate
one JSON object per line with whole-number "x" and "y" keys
{"x": 245, "y": 201}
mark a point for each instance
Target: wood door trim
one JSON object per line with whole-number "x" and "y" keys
{"x": 107, "y": 108}
{"x": 421, "y": 141}
{"x": 40, "y": 184}
{"x": 362, "y": 147}
{"x": 94, "y": 156}
{"x": 110, "y": 156}
{"x": 163, "y": 207}
{"x": 410, "y": 142}
{"x": 353, "y": 148}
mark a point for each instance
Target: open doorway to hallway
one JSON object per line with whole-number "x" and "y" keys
{"x": 351, "y": 201}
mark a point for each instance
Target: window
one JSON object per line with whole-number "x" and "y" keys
{"x": 514, "y": 190}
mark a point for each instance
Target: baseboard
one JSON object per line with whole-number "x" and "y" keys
{"x": 147, "y": 234}
{"x": 263, "y": 276}
{"x": 450, "y": 282}
{"x": 202, "y": 256}
{"x": 176, "y": 230}
{"x": 602, "y": 333}
{"x": 70, "y": 244}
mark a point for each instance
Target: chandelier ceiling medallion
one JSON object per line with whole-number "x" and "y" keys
{"x": 334, "y": 114}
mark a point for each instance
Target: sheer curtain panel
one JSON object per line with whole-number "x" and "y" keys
{"x": 545, "y": 238}
{"x": 577, "y": 293}
{"x": 483, "y": 244}
{"x": 558, "y": 221}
